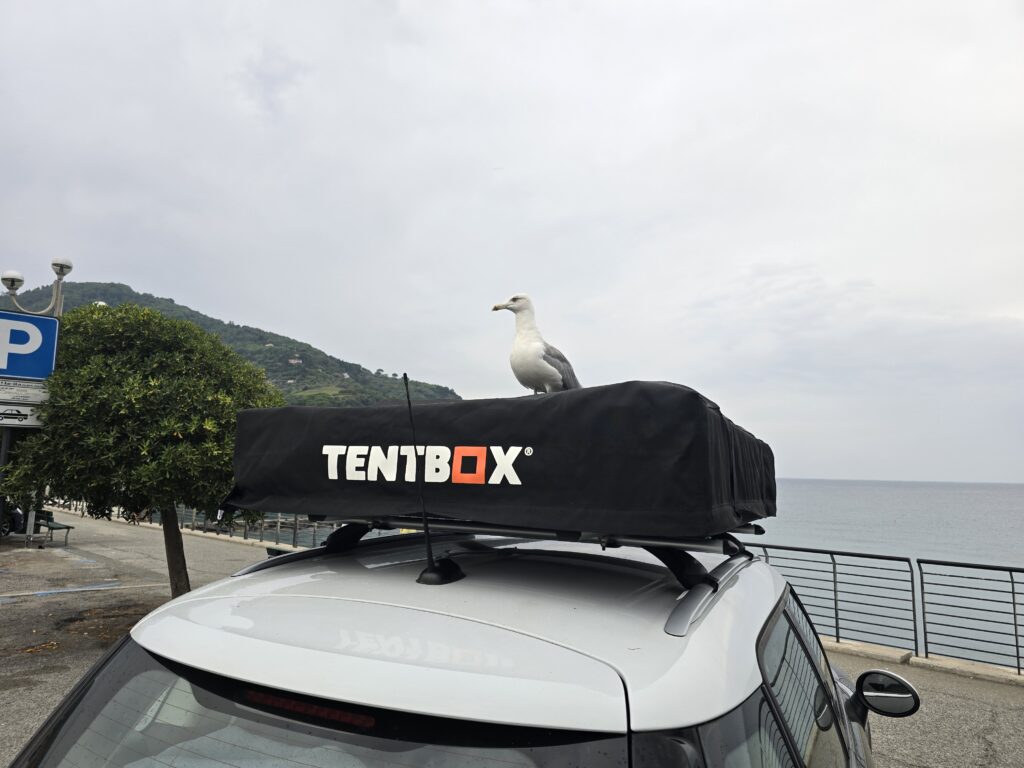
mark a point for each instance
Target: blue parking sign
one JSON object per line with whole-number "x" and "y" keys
{"x": 28, "y": 345}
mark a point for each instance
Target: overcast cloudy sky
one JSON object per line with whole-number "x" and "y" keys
{"x": 811, "y": 212}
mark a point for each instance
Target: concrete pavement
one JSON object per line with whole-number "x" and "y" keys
{"x": 962, "y": 722}
{"x": 59, "y": 609}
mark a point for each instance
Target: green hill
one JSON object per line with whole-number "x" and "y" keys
{"x": 303, "y": 373}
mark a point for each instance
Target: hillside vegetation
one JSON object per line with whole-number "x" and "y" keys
{"x": 304, "y": 374}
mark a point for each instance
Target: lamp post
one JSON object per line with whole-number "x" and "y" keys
{"x": 13, "y": 280}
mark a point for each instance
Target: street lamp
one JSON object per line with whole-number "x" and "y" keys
{"x": 13, "y": 280}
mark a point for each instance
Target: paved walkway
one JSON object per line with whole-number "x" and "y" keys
{"x": 60, "y": 608}
{"x": 963, "y": 722}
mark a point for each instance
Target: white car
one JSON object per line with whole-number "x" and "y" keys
{"x": 546, "y": 654}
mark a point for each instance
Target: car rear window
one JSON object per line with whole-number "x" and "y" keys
{"x": 143, "y": 712}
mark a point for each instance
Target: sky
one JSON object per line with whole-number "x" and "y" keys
{"x": 812, "y": 213}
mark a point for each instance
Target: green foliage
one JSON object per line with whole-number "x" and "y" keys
{"x": 141, "y": 413}
{"x": 304, "y": 374}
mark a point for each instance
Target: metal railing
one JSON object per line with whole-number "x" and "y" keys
{"x": 972, "y": 612}
{"x": 272, "y": 528}
{"x": 967, "y": 611}
{"x": 851, "y": 595}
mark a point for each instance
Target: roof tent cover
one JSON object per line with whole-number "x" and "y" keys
{"x": 636, "y": 459}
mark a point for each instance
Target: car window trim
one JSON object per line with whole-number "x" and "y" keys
{"x": 830, "y": 684}
{"x": 762, "y": 640}
{"x": 779, "y": 614}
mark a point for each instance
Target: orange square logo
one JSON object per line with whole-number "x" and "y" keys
{"x": 476, "y": 477}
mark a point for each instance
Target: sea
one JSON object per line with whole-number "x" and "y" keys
{"x": 964, "y": 522}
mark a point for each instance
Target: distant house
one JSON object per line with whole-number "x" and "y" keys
{"x": 268, "y": 345}
{"x": 290, "y": 381}
{"x": 295, "y": 361}
{"x": 345, "y": 375}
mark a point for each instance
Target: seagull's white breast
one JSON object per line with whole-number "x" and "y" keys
{"x": 529, "y": 367}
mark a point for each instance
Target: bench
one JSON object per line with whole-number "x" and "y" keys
{"x": 52, "y": 525}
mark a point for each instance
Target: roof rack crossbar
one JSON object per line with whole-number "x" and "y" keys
{"x": 725, "y": 543}
{"x": 673, "y": 553}
{"x": 697, "y": 600}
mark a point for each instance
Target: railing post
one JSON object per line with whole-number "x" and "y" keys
{"x": 193, "y": 519}
{"x": 835, "y": 594}
{"x": 278, "y": 539}
{"x": 1013, "y": 609}
{"x": 924, "y": 608}
{"x": 295, "y": 529}
{"x": 314, "y": 533}
{"x": 913, "y": 603}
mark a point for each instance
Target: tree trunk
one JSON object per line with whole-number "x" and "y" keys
{"x": 175, "y": 550}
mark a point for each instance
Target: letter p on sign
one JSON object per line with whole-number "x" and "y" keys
{"x": 9, "y": 329}
{"x": 28, "y": 345}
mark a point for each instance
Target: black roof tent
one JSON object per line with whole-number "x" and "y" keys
{"x": 634, "y": 459}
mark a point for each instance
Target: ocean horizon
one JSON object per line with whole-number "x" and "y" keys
{"x": 876, "y": 480}
{"x": 941, "y": 520}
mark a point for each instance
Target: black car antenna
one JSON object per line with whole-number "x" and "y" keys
{"x": 445, "y": 570}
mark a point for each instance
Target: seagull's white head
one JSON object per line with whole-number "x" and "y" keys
{"x": 518, "y": 303}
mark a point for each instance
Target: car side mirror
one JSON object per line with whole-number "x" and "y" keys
{"x": 887, "y": 694}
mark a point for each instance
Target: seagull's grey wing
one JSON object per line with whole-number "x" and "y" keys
{"x": 557, "y": 360}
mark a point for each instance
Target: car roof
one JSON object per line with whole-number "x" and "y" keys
{"x": 549, "y": 634}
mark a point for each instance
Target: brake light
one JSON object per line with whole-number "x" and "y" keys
{"x": 296, "y": 706}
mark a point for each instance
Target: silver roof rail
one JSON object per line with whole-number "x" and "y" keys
{"x": 699, "y": 598}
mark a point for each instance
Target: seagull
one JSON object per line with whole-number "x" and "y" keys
{"x": 536, "y": 364}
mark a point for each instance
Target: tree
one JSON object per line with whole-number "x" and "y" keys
{"x": 141, "y": 414}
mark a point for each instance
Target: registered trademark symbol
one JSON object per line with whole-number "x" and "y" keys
{"x": 528, "y": 451}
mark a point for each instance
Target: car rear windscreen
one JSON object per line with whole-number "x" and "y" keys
{"x": 140, "y": 711}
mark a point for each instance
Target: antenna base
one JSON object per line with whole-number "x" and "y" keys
{"x": 444, "y": 571}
